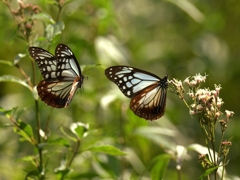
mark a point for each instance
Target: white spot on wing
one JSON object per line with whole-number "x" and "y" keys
{"x": 120, "y": 75}
{"x": 67, "y": 73}
{"x": 142, "y": 85}
{"x": 74, "y": 66}
{"x": 129, "y": 84}
{"x": 53, "y": 75}
{"x": 135, "y": 81}
{"x": 145, "y": 76}
{"x": 123, "y": 72}
{"x": 53, "y": 67}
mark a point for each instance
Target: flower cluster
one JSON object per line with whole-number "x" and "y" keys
{"x": 204, "y": 160}
{"x": 195, "y": 80}
{"x": 178, "y": 87}
{"x": 225, "y": 146}
{"x": 23, "y": 16}
{"x": 206, "y": 103}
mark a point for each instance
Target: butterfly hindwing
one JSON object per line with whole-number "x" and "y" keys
{"x": 61, "y": 73}
{"x": 55, "y": 94}
{"x": 146, "y": 90}
{"x": 150, "y": 103}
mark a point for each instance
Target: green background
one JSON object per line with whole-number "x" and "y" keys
{"x": 157, "y": 36}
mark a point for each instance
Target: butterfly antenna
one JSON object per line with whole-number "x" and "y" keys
{"x": 168, "y": 67}
{"x": 177, "y": 69}
{"x": 91, "y": 68}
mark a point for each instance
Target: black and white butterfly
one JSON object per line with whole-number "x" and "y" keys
{"x": 147, "y": 91}
{"x": 62, "y": 75}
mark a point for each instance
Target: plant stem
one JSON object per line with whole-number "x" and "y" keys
{"x": 75, "y": 152}
{"x": 24, "y": 74}
{"x": 38, "y": 134}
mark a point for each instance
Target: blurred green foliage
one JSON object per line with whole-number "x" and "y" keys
{"x": 157, "y": 36}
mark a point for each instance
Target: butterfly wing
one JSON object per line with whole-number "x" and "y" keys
{"x": 47, "y": 63}
{"x": 150, "y": 102}
{"x": 61, "y": 73}
{"x": 67, "y": 64}
{"x": 147, "y": 91}
{"x": 57, "y": 94}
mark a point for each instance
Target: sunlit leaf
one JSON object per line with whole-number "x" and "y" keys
{"x": 30, "y": 159}
{"x": 106, "y": 149}
{"x": 61, "y": 173}
{"x": 110, "y": 49}
{"x": 53, "y": 30}
{"x": 158, "y": 135}
{"x": 18, "y": 58}
{"x": 44, "y": 17}
{"x": 190, "y": 9}
{"x": 7, "y": 113}
{"x": 60, "y": 142}
{"x": 79, "y": 129}
{"x": 25, "y": 131}
{"x": 67, "y": 135}
{"x": 10, "y": 78}
{"x": 63, "y": 169}
{"x": 160, "y": 164}
{"x": 6, "y": 62}
{"x": 34, "y": 174}
{"x": 208, "y": 172}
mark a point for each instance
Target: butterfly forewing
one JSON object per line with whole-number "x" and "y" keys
{"x": 146, "y": 90}
{"x": 46, "y": 62}
{"x": 68, "y": 66}
{"x": 61, "y": 73}
{"x": 130, "y": 80}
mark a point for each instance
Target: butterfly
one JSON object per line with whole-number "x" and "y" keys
{"x": 61, "y": 75}
{"x": 147, "y": 91}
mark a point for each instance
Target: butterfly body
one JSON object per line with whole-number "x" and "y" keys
{"x": 147, "y": 91}
{"x": 62, "y": 75}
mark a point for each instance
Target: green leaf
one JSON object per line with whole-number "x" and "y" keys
{"x": 7, "y": 113}
{"x": 6, "y": 62}
{"x": 10, "y": 78}
{"x": 63, "y": 169}
{"x": 160, "y": 164}
{"x": 53, "y": 30}
{"x": 208, "y": 172}
{"x": 30, "y": 159}
{"x": 107, "y": 149}
{"x": 34, "y": 174}
{"x": 18, "y": 58}
{"x": 44, "y": 17}
{"x": 67, "y": 135}
{"x": 79, "y": 129}
{"x": 61, "y": 173}
{"x": 190, "y": 9}
{"x": 25, "y": 131}
{"x": 59, "y": 141}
